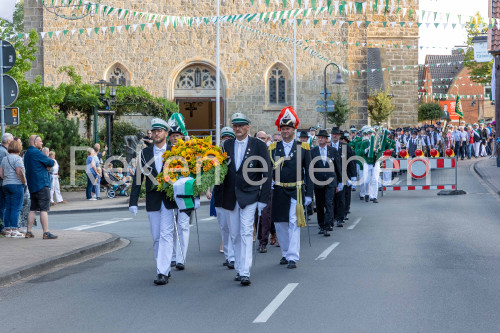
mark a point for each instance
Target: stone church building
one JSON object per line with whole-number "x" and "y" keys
{"x": 256, "y": 71}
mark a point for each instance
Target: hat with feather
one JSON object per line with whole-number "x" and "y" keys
{"x": 177, "y": 124}
{"x": 287, "y": 117}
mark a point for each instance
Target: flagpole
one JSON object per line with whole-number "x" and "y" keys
{"x": 217, "y": 80}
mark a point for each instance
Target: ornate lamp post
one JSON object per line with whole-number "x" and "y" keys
{"x": 103, "y": 87}
{"x": 338, "y": 80}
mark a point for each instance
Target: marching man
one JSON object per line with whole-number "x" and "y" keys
{"x": 291, "y": 160}
{"x": 159, "y": 207}
{"x": 245, "y": 188}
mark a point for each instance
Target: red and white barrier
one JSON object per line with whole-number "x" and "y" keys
{"x": 420, "y": 187}
{"x": 402, "y": 163}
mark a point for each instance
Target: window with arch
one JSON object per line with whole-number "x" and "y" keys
{"x": 196, "y": 77}
{"x": 277, "y": 85}
{"x": 119, "y": 75}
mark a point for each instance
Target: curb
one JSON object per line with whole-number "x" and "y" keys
{"x": 47, "y": 264}
{"x": 493, "y": 188}
{"x": 105, "y": 209}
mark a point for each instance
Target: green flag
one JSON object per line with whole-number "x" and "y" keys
{"x": 458, "y": 107}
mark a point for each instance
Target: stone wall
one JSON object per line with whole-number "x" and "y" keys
{"x": 33, "y": 19}
{"x": 154, "y": 58}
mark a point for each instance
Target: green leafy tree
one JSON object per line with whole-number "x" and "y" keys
{"x": 429, "y": 111}
{"x": 480, "y": 69}
{"x": 120, "y": 130}
{"x": 380, "y": 107}
{"x": 342, "y": 109}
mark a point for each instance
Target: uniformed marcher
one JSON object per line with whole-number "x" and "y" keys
{"x": 371, "y": 167}
{"x": 327, "y": 171}
{"x": 291, "y": 160}
{"x": 304, "y": 137}
{"x": 159, "y": 207}
{"x": 242, "y": 191}
{"x": 313, "y": 139}
{"x": 181, "y": 229}
{"x": 351, "y": 172}
{"x": 340, "y": 197}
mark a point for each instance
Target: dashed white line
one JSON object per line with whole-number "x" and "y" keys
{"x": 275, "y": 303}
{"x": 99, "y": 224}
{"x": 209, "y": 218}
{"x": 325, "y": 253}
{"x": 354, "y": 224}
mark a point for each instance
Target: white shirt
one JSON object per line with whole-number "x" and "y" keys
{"x": 55, "y": 169}
{"x": 158, "y": 152}
{"x": 323, "y": 152}
{"x": 239, "y": 151}
{"x": 288, "y": 147}
{"x": 336, "y": 145}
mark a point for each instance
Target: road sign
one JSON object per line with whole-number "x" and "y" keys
{"x": 328, "y": 93}
{"x": 322, "y": 102}
{"x": 9, "y": 55}
{"x": 328, "y": 109}
{"x": 10, "y": 90}
{"x": 12, "y": 116}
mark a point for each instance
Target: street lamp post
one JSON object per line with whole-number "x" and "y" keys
{"x": 103, "y": 86}
{"x": 338, "y": 80}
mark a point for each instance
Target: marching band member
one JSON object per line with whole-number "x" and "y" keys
{"x": 371, "y": 167}
{"x": 159, "y": 207}
{"x": 240, "y": 197}
{"x": 291, "y": 161}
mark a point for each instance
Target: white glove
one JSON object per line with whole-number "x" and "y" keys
{"x": 260, "y": 207}
{"x": 349, "y": 183}
{"x": 308, "y": 201}
{"x": 353, "y": 179}
{"x": 196, "y": 203}
{"x": 133, "y": 210}
{"x": 340, "y": 186}
{"x": 366, "y": 150}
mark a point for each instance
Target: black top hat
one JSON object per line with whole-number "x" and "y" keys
{"x": 323, "y": 133}
{"x": 414, "y": 131}
{"x": 335, "y": 130}
{"x": 303, "y": 134}
{"x": 438, "y": 123}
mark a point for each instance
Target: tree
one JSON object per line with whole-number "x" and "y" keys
{"x": 478, "y": 70}
{"x": 341, "y": 112}
{"x": 120, "y": 130}
{"x": 429, "y": 111}
{"x": 380, "y": 107}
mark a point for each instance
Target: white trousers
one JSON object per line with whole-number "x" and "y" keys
{"x": 371, "y": 174}
{"x": 180, "y": 250}
{"x": 55, "y": 188}
{"x": 162, "y": 228}
{"x": 240, "y": 223}
{"x": 227, "y": 245}
{"x": 289, "y": 234}
{"x": 476, "y": 146}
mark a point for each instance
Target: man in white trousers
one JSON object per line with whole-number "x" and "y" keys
{"x": 245, "y": 188}
{"x": 159, "y": 207}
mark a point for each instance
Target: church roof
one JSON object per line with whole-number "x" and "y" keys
{"x": 443, "y": 70}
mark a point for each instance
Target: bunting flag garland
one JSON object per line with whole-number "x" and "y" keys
{"x": 453, "y": 96}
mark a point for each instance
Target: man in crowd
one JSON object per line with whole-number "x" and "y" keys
{"x": 312, "y": 139}
{"x": 276, "y": 137}
{"x": 304, "y": 137}
{"x": 55, "y": 186}
{"x": 38, "y": 179}
{"x": 476, "y": 137}
{"x": 291, "y": 162}
{"x": 159, "y": 207}
{"x": 246, "y": 188}
{"x": 339, "y": 197}
{"x": 263, "y": 223}
{"x": 148, "y": 139}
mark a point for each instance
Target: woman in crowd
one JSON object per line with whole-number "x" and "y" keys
{"x": 92, "y": 173}
{"x": 14, "y": 183}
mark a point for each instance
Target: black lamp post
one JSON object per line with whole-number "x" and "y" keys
{"x": 338, "y": 80}
{"x": 103, "y": 87}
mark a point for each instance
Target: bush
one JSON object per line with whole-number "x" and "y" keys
{"x": 120, "y": 130}
{"x": 380, "y": 107}
{"x": 429, "y": 111}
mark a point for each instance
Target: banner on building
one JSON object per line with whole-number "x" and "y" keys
{"x": 449, "y": 106}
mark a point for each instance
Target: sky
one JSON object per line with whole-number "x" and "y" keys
{"x": 432, "y": 36}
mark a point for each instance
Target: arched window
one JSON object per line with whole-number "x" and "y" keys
{"x": 196, "y": 77}
{"x": 118, "y": 74}
{"x": 277, "y": 85}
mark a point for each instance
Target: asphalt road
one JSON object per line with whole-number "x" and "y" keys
{"x": 415, "y": 262}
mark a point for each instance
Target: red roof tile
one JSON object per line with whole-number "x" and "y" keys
{"x": 494, "y": 33}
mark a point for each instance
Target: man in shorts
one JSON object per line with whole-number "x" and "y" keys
{"x": 37, "y": 166}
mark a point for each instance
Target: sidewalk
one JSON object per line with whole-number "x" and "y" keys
{"x": 487, "y": 169}
{"x": 26, "y": 257}
{"x": 76, "y": 203}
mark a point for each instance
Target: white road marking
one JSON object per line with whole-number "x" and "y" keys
{"x": 325, "y": 253}
{"x": 275, "y": 303}
{"x": 209, "y": 218}
{"x": 99, "y": 224}
{"x": 354, "y": 224}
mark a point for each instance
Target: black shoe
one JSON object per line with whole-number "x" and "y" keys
{"x": 245, "y": 281}
{"x": 330, "y": 228}
{"x": 99, "y": 198}
{"x": 361, "y": 198}
{"x": 262, "y": 249}
{"x": 225, "y": 263}
{"x": 48, "y": 235}
{"x": 345, "y": 219}
{"x": 367, "y": 198}
{"x": 375, "y": 201}
{"x": 172, "y": 263}
{"x": 291, "y": 264}
{"x": 179, "y": 266}
{"x": 230, "y": 265}
{"x": 237, "y": 277}
{"x": 161, "y": 280}
{"x": 327, "y": 234}
{"x": 339, "y": 224}
{"x": 354, "y": 190}
{"x": 371, "y": 199}
{"x": 321, "y": 232}
{"x": 283, "y": 261}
